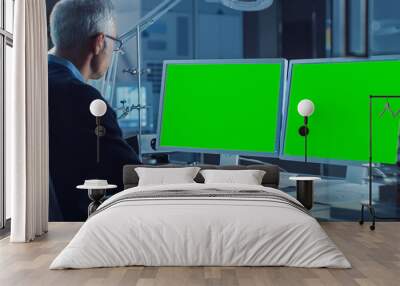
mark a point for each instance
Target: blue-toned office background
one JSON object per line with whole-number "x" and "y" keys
{"x": 301, "y": 29}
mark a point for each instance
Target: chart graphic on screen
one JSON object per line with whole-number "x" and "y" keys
{"x": 339, "y": 127}
{"x": 222, "y": 106}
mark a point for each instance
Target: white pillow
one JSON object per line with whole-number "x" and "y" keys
{"x": 247, "y": 177}
{"x": 166, "y": 176}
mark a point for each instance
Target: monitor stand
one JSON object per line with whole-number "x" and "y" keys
{"x": 228, "y": 159}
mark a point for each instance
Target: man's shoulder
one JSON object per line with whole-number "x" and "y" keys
{"x": 86, "y": 89}
{"x": 72, "y": 87}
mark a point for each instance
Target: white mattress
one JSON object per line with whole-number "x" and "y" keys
{"x": 194, "y": 231}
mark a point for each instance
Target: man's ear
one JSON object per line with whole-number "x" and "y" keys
{"x": 98, "y": 43}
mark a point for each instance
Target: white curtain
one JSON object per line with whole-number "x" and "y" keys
{"x": 27, "y": 175}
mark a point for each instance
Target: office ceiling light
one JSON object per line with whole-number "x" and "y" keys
{"x": 245, "y": 5}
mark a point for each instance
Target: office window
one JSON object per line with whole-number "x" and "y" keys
{"x": 384, "y": 27}
{"x": 363, "y": 28}
{"x": 357, "y": 27}
{"x": 7, "y": 89}
{"x": 9, "y": 15}
{"x": 6, "y": 44}
{"x": 2, "y": 195}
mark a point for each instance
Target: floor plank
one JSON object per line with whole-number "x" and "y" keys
{"x": 375, "y": 257}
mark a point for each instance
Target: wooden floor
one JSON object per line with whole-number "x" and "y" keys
{"x": 375, "y": 257}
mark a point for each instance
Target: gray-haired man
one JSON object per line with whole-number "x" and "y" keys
{"x": 84, "y": 35}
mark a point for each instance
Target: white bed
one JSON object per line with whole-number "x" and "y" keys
{"x": 185, "y": 230}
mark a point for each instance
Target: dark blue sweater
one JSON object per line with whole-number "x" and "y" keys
{"x": 73, "y": 144}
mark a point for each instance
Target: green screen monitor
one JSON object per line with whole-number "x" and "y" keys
{"x": 222, "y": 106}
{"x": 339, "y": 126}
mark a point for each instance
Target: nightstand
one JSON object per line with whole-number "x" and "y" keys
{"x": 305, "y": 190}
{"x": 96, "y": 195}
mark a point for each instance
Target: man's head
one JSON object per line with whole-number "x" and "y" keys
{"x": 83, "y": 28}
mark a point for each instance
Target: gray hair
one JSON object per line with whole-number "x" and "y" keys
{"x": 75, "y": 21}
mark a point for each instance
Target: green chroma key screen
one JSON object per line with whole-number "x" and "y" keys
{"x": 221, "y": 106}
{"x": 339, "y": 127}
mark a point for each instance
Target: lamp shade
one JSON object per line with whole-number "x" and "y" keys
{"x": 305, "y": 107}
{"x": 98, "y": 107}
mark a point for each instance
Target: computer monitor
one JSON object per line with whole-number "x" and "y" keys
{"x": 222, "y": 106}
{"x": 339, "y": 127}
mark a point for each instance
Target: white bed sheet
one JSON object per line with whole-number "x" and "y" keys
{"x": 200, "y": 232}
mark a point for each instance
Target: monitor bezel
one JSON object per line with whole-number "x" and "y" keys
{"x": 275, "y": 154}
{"x": 285, "y": 107}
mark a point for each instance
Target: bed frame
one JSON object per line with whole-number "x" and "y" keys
{"x": 271, "y": 177}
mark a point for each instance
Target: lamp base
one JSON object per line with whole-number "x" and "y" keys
{"x": 304, "y": 131}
